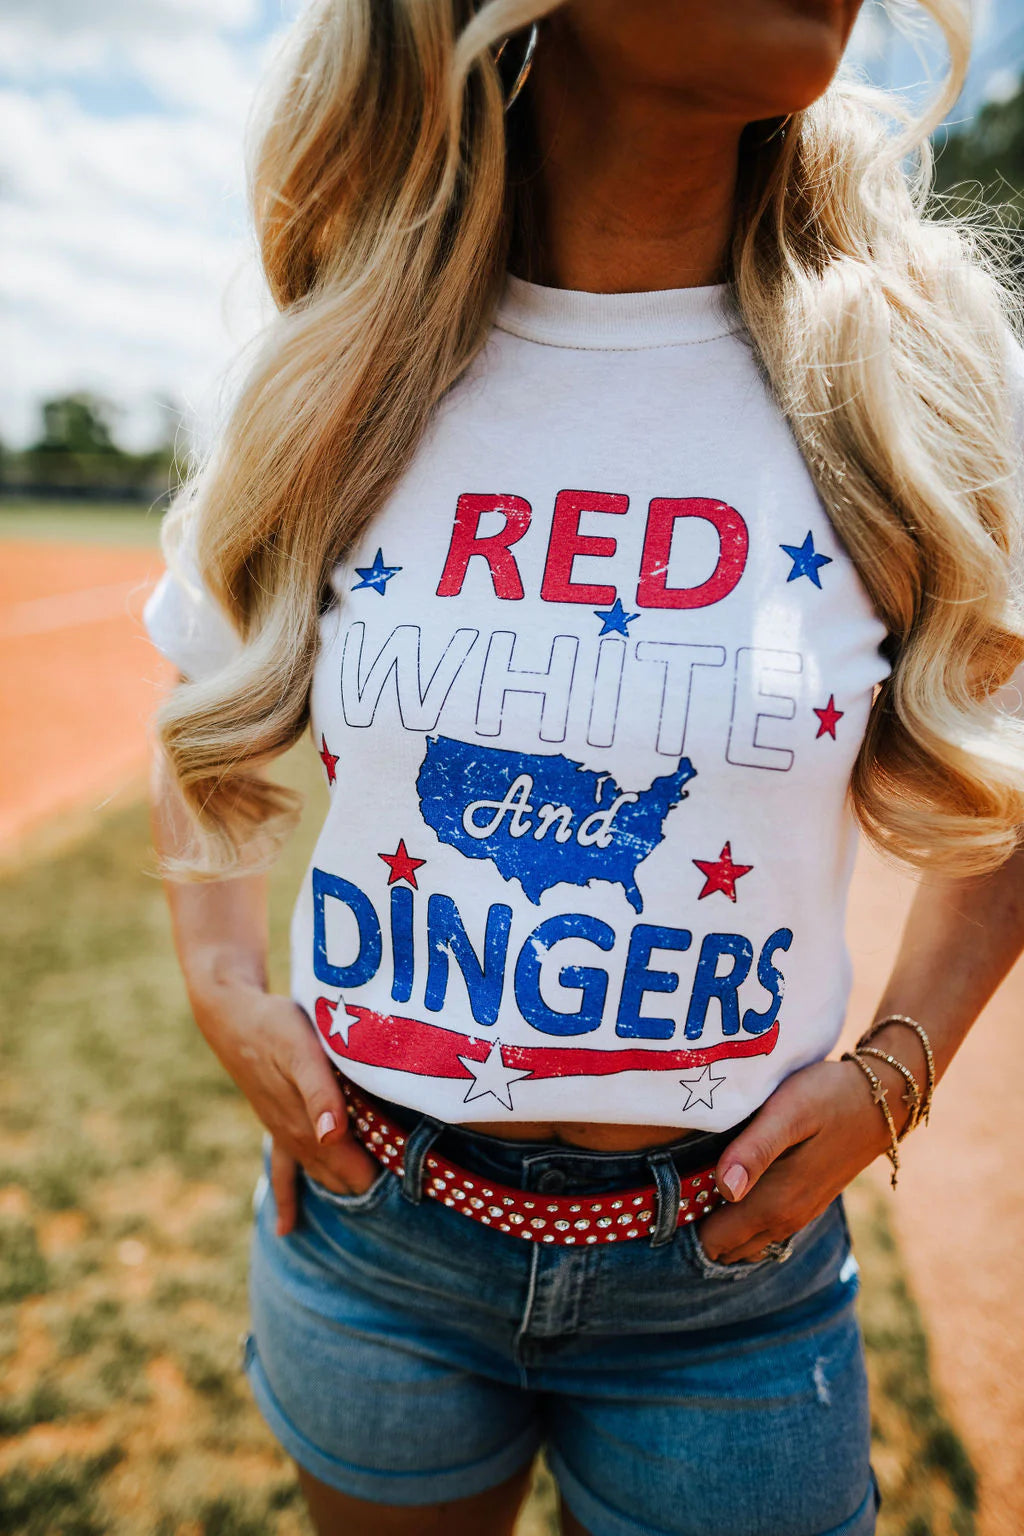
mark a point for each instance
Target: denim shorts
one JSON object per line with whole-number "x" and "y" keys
{"x": 407, "y": 1355}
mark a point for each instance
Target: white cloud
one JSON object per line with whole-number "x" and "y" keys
{"x": 128, "y": 263}
{"x": 870, "y": 34}
{"x": 981, "y": 18}
{"x": 62, "y": 18}
{"x": 1001, "y": 84}
{"x": 182, "y": 60}
{"x": 54, "y": 154}
{"x": 200, "y": 73}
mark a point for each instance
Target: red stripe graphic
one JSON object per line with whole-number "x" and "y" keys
{"x": 410, "y": 1045}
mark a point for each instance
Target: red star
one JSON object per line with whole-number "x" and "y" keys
{"x": 402, "y": 867}
{"x": 828, "y": 717}
{"x": 721, "y": 874}
{"x": 328, "y": 758}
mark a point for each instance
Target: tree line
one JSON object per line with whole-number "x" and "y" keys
{"x": 77, "y": 455}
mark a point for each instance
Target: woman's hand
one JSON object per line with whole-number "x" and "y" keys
{"x": 268, "y": 1046}
{"x": 808, "y": 1140}
{"x": 265, "y": 1042}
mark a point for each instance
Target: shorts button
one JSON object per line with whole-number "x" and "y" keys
{"x": 551, "y": 1181}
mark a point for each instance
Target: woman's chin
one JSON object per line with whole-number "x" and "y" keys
{"x": 790, "y": 87}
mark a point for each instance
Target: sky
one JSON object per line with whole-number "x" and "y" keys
{"x": 126, "y": 264}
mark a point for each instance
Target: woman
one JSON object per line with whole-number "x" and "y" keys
{"x": 627, "y": 496}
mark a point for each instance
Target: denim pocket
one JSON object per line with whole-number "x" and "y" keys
{"x": 829, "y": 1223}
{"x": 367, "y": 1200}
{"x": 710, "y": 1269}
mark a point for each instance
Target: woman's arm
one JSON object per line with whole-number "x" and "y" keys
{"x": 821, "y": 1126}
{"x": 219, "y": 927}
{"x": 265, "y": 1042}
{"x": 960, "y": 939}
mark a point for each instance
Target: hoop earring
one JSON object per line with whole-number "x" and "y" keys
{"x": 525, "y": 66}
{"x": 779, "y": 132}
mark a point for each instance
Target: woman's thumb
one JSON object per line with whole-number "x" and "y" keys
{"x": 754, "y": 1150}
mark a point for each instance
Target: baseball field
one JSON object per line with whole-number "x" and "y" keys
{"x": 128, "y": 1158}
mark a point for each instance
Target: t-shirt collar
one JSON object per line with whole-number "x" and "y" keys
{"x": 572, "y": 317}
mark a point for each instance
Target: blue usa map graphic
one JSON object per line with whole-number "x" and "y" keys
{"x": 544, "y": 820}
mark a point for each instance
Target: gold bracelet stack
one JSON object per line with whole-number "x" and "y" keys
{"x": 919, "y": 1104}
{"x": 912, "y": 1097}
{"x": 929, "y": 1056}
{"x": 880, "y": 1097}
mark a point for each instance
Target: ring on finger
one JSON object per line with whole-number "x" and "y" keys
{"x": 780, "y": 1252}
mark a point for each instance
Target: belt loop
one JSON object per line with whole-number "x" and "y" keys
{"x": 417, "y": 1144}
{"x": 668, "y": 1185}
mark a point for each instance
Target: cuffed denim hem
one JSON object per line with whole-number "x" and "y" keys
{"x": 398, "y": 1488}
{"x": 601, "y": 1520}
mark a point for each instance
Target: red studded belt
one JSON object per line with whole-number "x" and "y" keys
{"x": 540, "y": 1218}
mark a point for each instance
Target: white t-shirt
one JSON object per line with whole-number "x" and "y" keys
{"x": 588, "y": 705}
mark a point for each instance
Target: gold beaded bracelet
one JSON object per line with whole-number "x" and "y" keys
{"x": 929, "y": 1056}
{"x": 880, "y": 1097}
{"x": 912, "y": 1096}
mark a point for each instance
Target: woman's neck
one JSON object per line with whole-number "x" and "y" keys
{"x": 630, "y": 189}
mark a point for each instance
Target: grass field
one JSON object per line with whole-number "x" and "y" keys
{"x": 70, "y": 522}
{"x": 127, "y": 1165}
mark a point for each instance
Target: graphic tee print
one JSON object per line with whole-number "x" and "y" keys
{"x": 587, "y": 705}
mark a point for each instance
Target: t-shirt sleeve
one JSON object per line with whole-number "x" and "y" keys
{"x": 184, "y": 622}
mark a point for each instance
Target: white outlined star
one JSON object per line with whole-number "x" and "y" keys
{"x": 700, "y": 1090}
{"x": 491, "y": 1076}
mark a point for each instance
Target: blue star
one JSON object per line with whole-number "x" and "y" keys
{"x": 805, "y": 560}
{"x": 615, "y": 620}
{"x": 377, "y": 575}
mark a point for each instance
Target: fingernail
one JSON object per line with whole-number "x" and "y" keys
{"x": 734, "y": 1180}
{"x": 326, "y": 1123}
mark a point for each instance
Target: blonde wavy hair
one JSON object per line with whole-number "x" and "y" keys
{"x": 384, "y": 208}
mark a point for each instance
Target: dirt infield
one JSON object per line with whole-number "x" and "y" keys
{"x": 78, "y": 678}
{"x": 959, "y": 1207}
{"x": 78, "y": 683}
